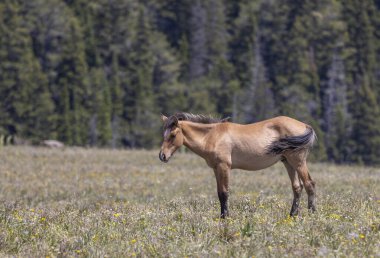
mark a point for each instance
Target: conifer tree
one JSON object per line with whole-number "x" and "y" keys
{"x": 26, "y": 106}
{"x": 361, "y": 67}
{"x": 219, "y": 68}
{"x": 197, "y": 41}
{"x": 255, "y": 100}
{"x": 116, "y": 101}
{"x": 366, "y": 130}
{"x": 58, "y": 44}
{"x": 72, "y": 71}
{"x": 337, "y": 125}
{"x": 99, "y": 108}
{"x": 139, "y": 98}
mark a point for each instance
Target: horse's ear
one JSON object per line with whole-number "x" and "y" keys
{"x": 164, "y": 118}
{"x": 175, "y": 121}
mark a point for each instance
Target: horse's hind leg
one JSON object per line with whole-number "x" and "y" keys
{"x": 296, "y": 186}
{"x": 298, "y": 161}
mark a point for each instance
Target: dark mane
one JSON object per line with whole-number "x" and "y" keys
{"x": 202, "y": 119}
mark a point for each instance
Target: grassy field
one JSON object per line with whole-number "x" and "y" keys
{"x": 78, "y": 202}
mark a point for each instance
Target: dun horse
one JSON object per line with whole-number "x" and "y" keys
{"x": 226, "y": 146}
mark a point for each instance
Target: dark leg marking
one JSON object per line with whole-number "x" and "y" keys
{"x": 223, "y": 198}
{"x": 311, "y": 193}
{"x": 296, "y": 201}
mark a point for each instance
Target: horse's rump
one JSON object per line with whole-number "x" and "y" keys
{"x": 294, "y": 143}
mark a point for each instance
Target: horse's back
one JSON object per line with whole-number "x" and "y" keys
{"x": 281, "y": 126}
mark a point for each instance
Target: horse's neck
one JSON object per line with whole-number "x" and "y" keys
{"x": 194, "y": 136}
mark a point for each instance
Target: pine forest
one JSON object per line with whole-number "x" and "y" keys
{"x": 100, "y": 73}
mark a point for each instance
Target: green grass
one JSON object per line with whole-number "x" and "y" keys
{"x": 88, "y": 202}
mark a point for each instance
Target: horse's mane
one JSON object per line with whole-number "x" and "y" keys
{"x": 202, "y": 119}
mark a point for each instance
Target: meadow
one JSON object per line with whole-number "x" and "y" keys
{"x": 112, "y": 203}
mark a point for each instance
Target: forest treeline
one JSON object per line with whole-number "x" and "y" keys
{"x": 100, "y": 72}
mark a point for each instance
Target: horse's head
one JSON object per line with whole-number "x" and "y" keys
{"x": 173, "y": 138}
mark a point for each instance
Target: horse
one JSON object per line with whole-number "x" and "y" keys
{"x": 226, "y": 146}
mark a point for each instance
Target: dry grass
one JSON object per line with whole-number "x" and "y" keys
{"x": 78, "y": 202}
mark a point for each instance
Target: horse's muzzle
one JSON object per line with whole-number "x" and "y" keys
{"x": 162, "y": 157}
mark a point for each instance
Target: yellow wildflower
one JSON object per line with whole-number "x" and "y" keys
{"x": 116, "y": 215}
{"x": 95, "y": 237}
{"x": 335, "y": 216}
{"x": 362, "y": 236}
{"x": 133, "y": 241}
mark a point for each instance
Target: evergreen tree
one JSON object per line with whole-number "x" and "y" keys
{"x": 58, "y": 43}
{"x": 361, "y": 70}
{"x": 255, "y": 99}
{"x": 100, "y": 109}
{"x": 139, "y": 99}
{"x": 85, "y": 12}
{"x": 337, "y": 126}
{"x": 219, "y": 68}
{"x": 197, "y": 42}
{"x": 366, "y": 131}
{"x": 116, "y": 101}
{"x": 26, "y": 107}
{"x": 71, "y": 82}
{"x": 361, "y": 33}
{"x": 169, "y": 92}
{"x": 245, "y": 33}
{"x": 172, "y": 18}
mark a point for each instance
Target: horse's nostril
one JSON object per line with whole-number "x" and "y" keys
{"x": 162, "y": 156}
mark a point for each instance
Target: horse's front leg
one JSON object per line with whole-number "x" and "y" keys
{"x": 222, "y": 174}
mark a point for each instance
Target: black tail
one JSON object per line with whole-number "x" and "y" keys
{"x": 295, "y": 143}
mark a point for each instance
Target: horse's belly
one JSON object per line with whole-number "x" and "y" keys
{"x": 252, "y": 162}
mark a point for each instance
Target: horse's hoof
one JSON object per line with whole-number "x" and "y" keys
{"x": 224, "y": 215}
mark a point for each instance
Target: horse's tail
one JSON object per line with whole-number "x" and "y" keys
{"x": 294, "y": 143}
